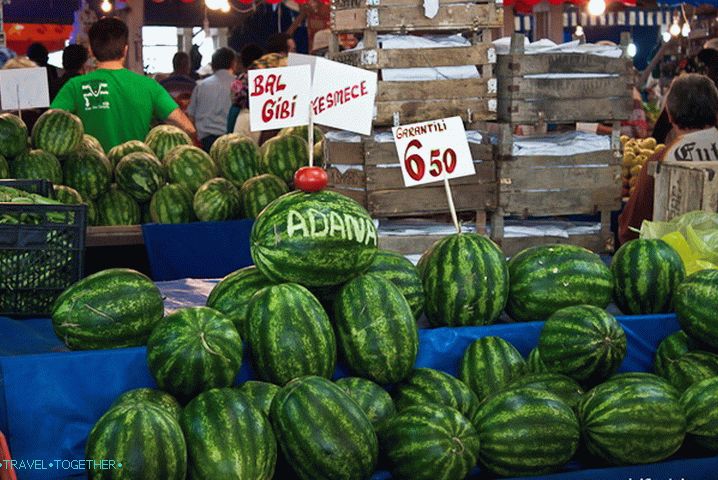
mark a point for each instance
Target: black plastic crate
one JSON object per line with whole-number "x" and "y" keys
{"x": 40, "y": 187}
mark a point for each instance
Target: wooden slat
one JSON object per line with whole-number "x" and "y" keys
{"x": 513, "y": 88}
{"x": 681, "y": 187}
{"x": 594, "y": 242}
{"x": 571, "y": 178}
{"x": 514, "y": 165}
{"x": 353, "y": 178}
{"x": 434, "y": 89}
{"x": 520, "y": 65}
{"x": 412, "y": 111}
{"x": 375, "y": 59}
{"x": 566, "y": 111}
{"x": 450, "y": 17}
{"x": 343, "y": 153}
{"x": 426, "y": 200}
{"x": 564, "y": 202}
{"x": 391, "y": 178}
{"x": 114, "y": 236}
{"x": 359, "y": 196}
{"x": 346, "y": 4}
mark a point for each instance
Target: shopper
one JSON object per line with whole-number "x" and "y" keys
{"x": 240, "y": 96}
{"x": 74, "y": 62}
{"x": 211, "y": 99}
{"x": 116, "y": 104}
{"x": 37, "y": 52}
{"x": 180, "y": 84}
{"x": 692, "y": 108}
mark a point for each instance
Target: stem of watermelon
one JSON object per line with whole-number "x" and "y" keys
{"x": 452, "y": 208}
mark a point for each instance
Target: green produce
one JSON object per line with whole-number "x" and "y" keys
{"x": 140, "y": 175}
{"x": 190, "y": 167}
{"x": 260, "y": 394}
{"x": 13, "y": 135}
{"x": 57, "y": 132}
{"x": 671, "y": 349}
{"x": 258, "y": 192}
{"x": 526, "y": 431}
{"x": 691, "y": 368}
{"x": 316, "y": 239}
{"x": 227, "y": 437}
{"x": 92, "y": 215}
{"x": 699, "y": 404}
{"x": 323, "y": 434}
{"x": 88, "y": 171}
{"x": 37, "y": 165}
{"x": 172, "y": 204}
{"x": 696, "y": 301}
{"x": 218, "y": 146}
{"x": 303, "y": 132}
{"x": 115, "y": 207}
{"x": 374, "y": 401}
{"x": 319, "y": 153}
{"x": 402, "y": 273}
{"x": 239, "y": 160}
{"x": 4, "y": 168}
{"x": 490, "y": 364}
{"x": 67, "y": 195}
{"x": 118, "y": 152}
{"x": 465, "y": 281}
{"x": 534, "y": 362}
{"x": 550, "y": 277}
{"x": 163, "y": 400}
{"x": 113, "y": 308}
{"x": 89, "y": 141}
{"x": 163, "y": 138}
{"x": 376, "y": 330}
{"x": 216, "y": 200}
{"x": 283, "y": 156}
{"x": 565, "y": 388}
{"x": 289, "y": 334}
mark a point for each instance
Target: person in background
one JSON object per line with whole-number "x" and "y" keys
{"x": 116, "y": 104}
{"x": 692, "y": 109}
{"x": 240, "y": 97}
{"x": 210, "y": 102}
{"x": 39, "y": 54}
{"x": 74, "y": 60}
{"x": 320, "y": 43}
{"x": 180, "y": 84}
{"x": 5, "y": 55}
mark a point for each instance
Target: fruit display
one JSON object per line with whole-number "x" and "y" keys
{"x": 374, "y": 401}
{"x": 636, "y": 152}
{"x": 404, "y": 275}
{"x": 216, "y": 200}
{"x": 164, "y": 138}
{"x": 238, "y": 160}
{"x": 489, "y": 364}
{"x": 696, "y": 301}
{"x": 260, "y": 394}
{"x": 57, "y": 132}
{"x": 258, "y": 192}
{"x": 140, "y": 175}
{"x": 698, "y": 402}
{"x": 284, "y": 155}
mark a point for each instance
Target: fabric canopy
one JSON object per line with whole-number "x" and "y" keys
{"x": 20, "y": 36}
{"x": 526, "y": 6}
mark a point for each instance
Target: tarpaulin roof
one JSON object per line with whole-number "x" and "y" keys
{"x": 40, "y": 11}
{"x": 19, "y": 36}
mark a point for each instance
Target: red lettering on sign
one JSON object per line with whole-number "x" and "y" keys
{"x": 271, "y": 85}
{"x": 279, "y": 109}
{"x": 258, "y": 86}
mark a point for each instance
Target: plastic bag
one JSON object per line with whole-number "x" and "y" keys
{"x": 694, "y": 235}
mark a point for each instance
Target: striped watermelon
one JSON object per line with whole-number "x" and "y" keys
{"x": 258, "y": 192}
{"x": 163, "y": 138}
{"x": 699, "y": 404}
{"x": 289, "y": 334}
{"x": 116, "y": 207}
{"x": 118, "y": 152}
{"x": 490, "y": 364}
{"x": 566, "y": 388}
{"x": 194, "y": 350}
{"x": 696, "y": 301}
{"x": 88, "y": 141}
{"x": 430, "y": 442}
{"x": 526, "y": 431}
{"x": 632, "y": 419}
{"x": 218, "y": 146}
{"x": 113, "y": 308}
{"x": 37, "y": 165}
{"x": 376, "y": 331}
{"x": 67, "y": 195}
{"x": 143, "y": 439}
{"x": 428, "y": 386}
{"x": 645, "y": 275}
{"x": 231, "y": 296}
{"x": 239, "y": 160}
{"x": 88, "y": 171}
{"x": 57, "y": 132}
{"x": 374, "y": 401}
{"x": 691, "y": 368}
{"x": 189, "y": 166}
{"x": 583, "y": 342}
{"x": 303, "y": 132}
{"x": 671, "y": 349}
{"x": 283, "y": 156}
{"x": 547, "y": 278}
{"x": 322, "y": 432}
{"x": 227, "y": 437}
{"x": 316, "y": 239}
{"x": 404, "y": 275}
{"x": 140, "y": 175}
{"x": 92, "y": 215}
{"x": 216, "y": 200}
{"x": 465, "y": 280}
{"x": 163, "y": 400}
{"x": 534, "y": 362}
{"x": 260, "y": 394}
{"x": 13, "y": 135}
{"x": 172, "y": 204}
{"x": 4, "y": 168}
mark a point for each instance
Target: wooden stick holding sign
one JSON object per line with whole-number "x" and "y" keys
{"x": 310, "y": 139}
{"x": 452, "y": 208}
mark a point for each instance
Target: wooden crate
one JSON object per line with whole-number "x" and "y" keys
{"x": 526, "y": 99}
{"x": 682, "y": 187}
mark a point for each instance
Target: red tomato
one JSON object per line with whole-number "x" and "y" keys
{"x": 311, "y": 179}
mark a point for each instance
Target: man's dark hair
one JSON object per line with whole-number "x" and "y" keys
{"x": 250, "y": 53}
{"x": 108, "y": 39}
{"x": 37, "y": 52}
{"x": 181, "y": 63}
{"x": 223, "y": 58}
{"x": 278, "y": 43}
{"x": 692, "y": 102}
{"x": 74, "y": 57}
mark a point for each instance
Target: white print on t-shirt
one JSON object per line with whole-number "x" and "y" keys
{"x": 94, "y": 93}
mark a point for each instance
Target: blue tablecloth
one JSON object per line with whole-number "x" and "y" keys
{"x": 50, "y": 398}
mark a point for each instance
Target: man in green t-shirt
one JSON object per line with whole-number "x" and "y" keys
{"x": 116, "y": 104}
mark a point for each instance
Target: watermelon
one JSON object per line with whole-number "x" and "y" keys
{"x": 645, "y": 275}
{"x": 118, "y": 152}
{"x": 319, "y": 153}
{"x": 430, "y": 442}
{"x": 403, "y": 274}
{"x": 140, "y": 175}
{"x": 142, "y": 438}
{"x": 4, "y": 168}
{"x": 149, "y": 395}
{"x": 283, "y": 156}
{"x": 583, "y": 342}
{"x": 190, "y": 167}
{"x": 691, "y": 368}
{"x": 534, "y": 362}
{"x": 489, "y": 364}
{"x": 566, "y": 388}
{"x": 316, "y": 239}
{"x": 699, "y": 402}
{"x": 218, "y": 146}
{"x": 428, "y": 386}
{"x": 258, "y": 192}
{"x": 13, "y": 135}
{"x": 303, "y": 132}
{"x": 92, "y": 215}
{"x": 67, "y": 195}
{"x": 193, "y": 350}
{"x": 115, "y": 207}
{"x": 289, "y": 334}
{"x": 88, "y": 171}
{"x": 322, "y": 432}
{"x": 696, "y": 301}
{"x": 88, "y": 141}
{"x": 632, "y": 419}
{"x": 376, "y": 331}
{"x": 547, "y": 278}
{"x": 239, "y": 160}
{"x": 671, "y": 349}
{"x": 37, "y": 165}
{"x": 57, "y": 132}
{"x": 216, "y": 200}
{"x": 260, "y": 394}
{"x": 163, "y": 138}
{"x": 231, "y": 296}
{"x": 172, "y": 204}
{"x": 227, "y": 437}
{"x": 526, "y": 431}
{"x": 374, "y": 401}
{"x": 465, "y": 281}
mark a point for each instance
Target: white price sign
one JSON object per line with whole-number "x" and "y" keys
{"x": 431, "y": 151}
{"x": 279, "y": 97}
{"x": 24, "y": 88}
